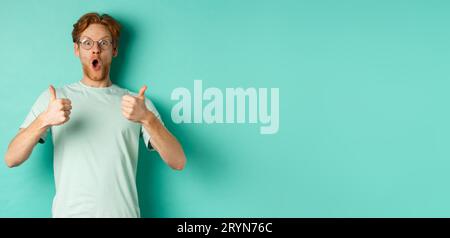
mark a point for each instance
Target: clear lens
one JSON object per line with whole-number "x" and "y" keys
{"x": 104, "y": 44}
{"x": 88, "y": 43}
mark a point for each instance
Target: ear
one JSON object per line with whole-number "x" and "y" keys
{"x": 115, "y": 51}
{"x": 76, "y": 49}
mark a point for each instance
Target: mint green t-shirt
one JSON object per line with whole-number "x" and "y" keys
{"x": 95, "y": 152}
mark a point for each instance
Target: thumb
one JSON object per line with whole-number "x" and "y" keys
{"x": 52, "y": 93}
{"x": 142, "y": 91}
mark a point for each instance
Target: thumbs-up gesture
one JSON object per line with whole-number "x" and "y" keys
{"x": 58, "y": 110}
{"x": 133, "y": 107}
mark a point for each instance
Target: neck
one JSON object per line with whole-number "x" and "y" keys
{"x": 106, "y": 82}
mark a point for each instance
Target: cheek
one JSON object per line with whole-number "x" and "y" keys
{"x": 86, "y": 62}
{"x": 84, "y": 58}
{"x": 107, "y": 57}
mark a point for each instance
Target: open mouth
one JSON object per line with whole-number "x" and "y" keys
{"x": 96, "y": 65}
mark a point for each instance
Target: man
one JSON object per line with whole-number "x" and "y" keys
{"x": 95, "y": 127}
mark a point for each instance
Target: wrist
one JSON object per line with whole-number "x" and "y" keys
{"x": 42, "y": 121}
{"x": 148, "y": 119}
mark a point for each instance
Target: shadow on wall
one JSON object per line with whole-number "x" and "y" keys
{"x": 202, "y": 164}
{"x": 120, "y": 63}
{"x": 41, "y": 177}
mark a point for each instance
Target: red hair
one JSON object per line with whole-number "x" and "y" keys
{"x": 95, "y": 18}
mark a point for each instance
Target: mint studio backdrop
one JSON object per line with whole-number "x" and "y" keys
{"x": 364, "y": 94}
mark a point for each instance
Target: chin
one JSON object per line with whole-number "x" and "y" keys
{"x": 96, "y": 75}
{"x": 97, "y": 78}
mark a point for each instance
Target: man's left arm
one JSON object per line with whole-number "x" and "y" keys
{"x": 164, "y": 142}
{"x": 134, "y": 109}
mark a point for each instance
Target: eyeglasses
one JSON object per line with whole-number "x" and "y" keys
{"x": 87, "y": 43}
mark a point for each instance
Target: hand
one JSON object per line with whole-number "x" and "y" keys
{"x": 58, "y": 110}
{"x": 133, "y": 107}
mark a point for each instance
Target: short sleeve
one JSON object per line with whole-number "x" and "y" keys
{"x": 145, "y": 136}
{"x": 39, "y": 106}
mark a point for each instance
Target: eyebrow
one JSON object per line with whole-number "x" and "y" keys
{"x": 101, "y": 38}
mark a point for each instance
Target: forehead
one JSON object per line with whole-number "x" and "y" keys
{"x": 96, "y": 32}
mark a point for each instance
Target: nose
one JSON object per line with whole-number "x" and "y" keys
{"x": 95, "y": 48}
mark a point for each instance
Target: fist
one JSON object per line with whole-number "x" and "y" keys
{"x": 133, "y": 107}
{"x": 58, "y": 110}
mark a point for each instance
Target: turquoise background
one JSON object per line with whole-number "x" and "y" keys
{"x": 364, "y": 92}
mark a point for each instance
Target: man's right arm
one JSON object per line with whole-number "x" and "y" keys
{"x": 22, "y": 145}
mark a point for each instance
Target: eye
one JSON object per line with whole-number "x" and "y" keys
{"x": 87, "y": 42}
{"x": 104, "y": 43}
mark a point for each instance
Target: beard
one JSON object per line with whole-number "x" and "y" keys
{"x": 94, "y": 75}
